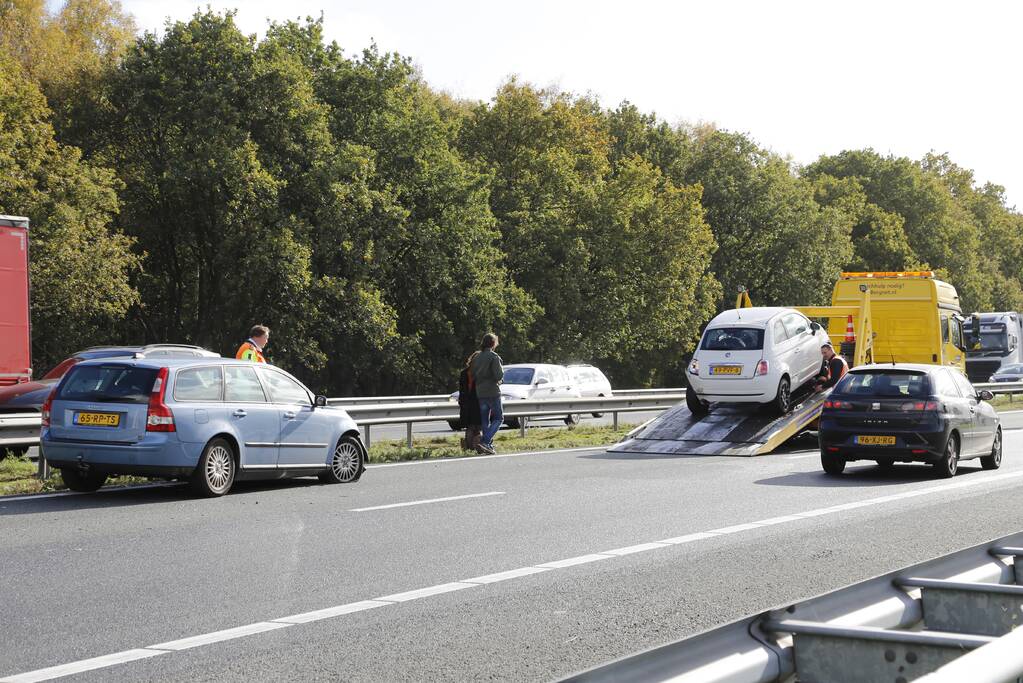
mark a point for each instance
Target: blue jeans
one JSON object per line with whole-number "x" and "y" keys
{"x": 491, "y": 415}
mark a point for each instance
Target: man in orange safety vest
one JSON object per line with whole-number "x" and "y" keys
{"x": 252, "y": 348}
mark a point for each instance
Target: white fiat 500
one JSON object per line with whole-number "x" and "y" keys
{"x": 754, "y": 355}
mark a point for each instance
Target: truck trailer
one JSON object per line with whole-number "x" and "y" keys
{"x": 15, "y": 332}
{"x": 995, "y": 345}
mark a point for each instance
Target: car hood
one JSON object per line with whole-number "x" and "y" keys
{"x": 25, "y": 396}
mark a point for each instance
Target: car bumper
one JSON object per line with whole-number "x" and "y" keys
{"x": 158, "y": 455}
{"x": 752, "y": 390}
{"x": 909, "y": 446}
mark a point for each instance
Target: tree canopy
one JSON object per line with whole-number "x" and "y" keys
{"x": 185, "y": 185}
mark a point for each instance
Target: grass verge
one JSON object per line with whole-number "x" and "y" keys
{"x": 18, "y": 475}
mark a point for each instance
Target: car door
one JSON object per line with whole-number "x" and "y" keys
{"x": 984, "y": 418}
{"x": 199, "y": 409}
{"x": 797, "y": 329}
{"x": 958, "y": 408}
{"x": 305, "y": 431}
{"x": 254, "y": 418}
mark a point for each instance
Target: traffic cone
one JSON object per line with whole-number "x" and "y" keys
{"x": 850, "y": 334}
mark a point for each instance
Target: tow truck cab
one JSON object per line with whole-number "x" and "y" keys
{"x": 916, "y": 318}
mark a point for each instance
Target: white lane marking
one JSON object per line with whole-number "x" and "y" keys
{"x": 573, "y": 561}
{"x": 218, "y": 636}
{"x": 426, "y": 592}
{"x": 428, "y": 501}
{"x": 259, "y": 627}
{"x": 505, "y": 576}
{"x": 631, "y": 549}
{"x": 83, "y": 665}
{"x": 317, "y": 615}
{"x": 477, "y": 458}
{"x": 800, "y": 457}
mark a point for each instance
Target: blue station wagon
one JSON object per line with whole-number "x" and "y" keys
{"x": 208, "y": 421}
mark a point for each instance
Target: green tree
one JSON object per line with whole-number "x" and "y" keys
{"x": 80, "y": 267}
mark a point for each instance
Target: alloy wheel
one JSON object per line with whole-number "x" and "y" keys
{"x": 219, "y": 464}
{"x": 345, "y": 463}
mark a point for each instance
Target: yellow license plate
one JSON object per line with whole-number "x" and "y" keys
{"x": 98, "y": 419}
{"x": 876, "y": 440}
{"x": 726, "y": 370}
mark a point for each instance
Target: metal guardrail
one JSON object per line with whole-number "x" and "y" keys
{"x": 433, "y": 398}
{"x": 917, "y": 623}
{"x": 411, "y": 413}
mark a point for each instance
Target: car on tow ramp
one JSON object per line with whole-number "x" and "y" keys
{"x": 209, "y": 421}
{"x": 909, "y": 413}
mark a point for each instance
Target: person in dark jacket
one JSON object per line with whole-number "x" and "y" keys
{"x": 488, "y": 372}
{"x": 833, "y": 369}
{"x": 469, "y": 407}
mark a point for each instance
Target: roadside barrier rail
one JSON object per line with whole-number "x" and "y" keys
{"x": 433, "y": 398}
{"x": 948, "y": 620}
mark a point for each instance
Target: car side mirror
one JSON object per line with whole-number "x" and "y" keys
{"x": 542, "y": 380}
{"x": 985, "y": 395}
{"x": 814, "y": 327}
{"x": 321, "y": 401}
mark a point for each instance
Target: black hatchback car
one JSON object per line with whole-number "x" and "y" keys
{"x": 909, "y": 413}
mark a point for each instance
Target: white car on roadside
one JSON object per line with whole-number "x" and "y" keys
{"x": 592, "y": 383}
{"x": 533, "y": 381}
{"x": 754, "y": 355}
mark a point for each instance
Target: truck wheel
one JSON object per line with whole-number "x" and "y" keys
{"x": 832, "y": 464}
{"x": 947, "y": 467}
{"x": 695, "y": 404}
{"x": 994, "y": 461}
{"x": 214, "y": 475}
{"x": 783, "y": 401}
{"x": 83, "y": 482}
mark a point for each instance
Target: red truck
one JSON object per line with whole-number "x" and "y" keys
{"x": 15, "y": 333}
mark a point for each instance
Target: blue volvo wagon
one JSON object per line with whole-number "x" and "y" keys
{"x": 210, "y": 421}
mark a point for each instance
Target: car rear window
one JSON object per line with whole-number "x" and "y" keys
{"x": 891, "y": 383}
{"x": 733, "y": 339}
{"x": 108, "y": 384}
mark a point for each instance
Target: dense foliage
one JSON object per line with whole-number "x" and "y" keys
{"x": 183, "y": 186}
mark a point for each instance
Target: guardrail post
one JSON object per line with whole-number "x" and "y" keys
{"x": 408, "y": 434}
{"x": 44, "y": 466}
{"x": 522, "y": 427}
{"x": 614, "y": 420}
{"x": 367, "y": 428}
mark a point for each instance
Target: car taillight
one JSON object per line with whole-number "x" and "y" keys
{"x": 159, "y": 417}
{"x": 919, "y": 406}
{"x": 763, "y": 367}
{"x": 837, "y": 405}
{"x": 47, "y": 406}
{"x": 694, "y": 368}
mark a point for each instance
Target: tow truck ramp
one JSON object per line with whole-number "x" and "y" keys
{"x": 725, "y": 430}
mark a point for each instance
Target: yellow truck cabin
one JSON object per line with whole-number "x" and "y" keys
{"x": 916, "y": 318}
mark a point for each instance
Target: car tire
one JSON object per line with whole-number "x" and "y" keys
{"x": 598, "y": 415}
{"x": 347, "y": 463}
{"x": 214, "y": 475}
{"x": 572, "y": 420}
{"x": 82, "y": 482}
{"x": 696, "y": 405}
{"x": 512, "y": 422}
{"x": 782, "y": 402}
{"x": 948, "y": 465}
{"x": 456, "y": 425}
{"x": 994, "y": 461}
{"x": 832, "y": 464}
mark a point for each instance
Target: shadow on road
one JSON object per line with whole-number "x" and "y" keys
{"x": 862, "y": 476}
{"x": 142, "y": 495}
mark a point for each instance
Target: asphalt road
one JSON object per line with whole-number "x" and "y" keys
{"x": 605, "y": 555}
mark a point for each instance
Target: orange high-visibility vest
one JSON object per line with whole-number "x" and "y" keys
{"x": 249, "y": 351}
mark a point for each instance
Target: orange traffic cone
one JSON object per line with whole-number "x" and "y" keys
{"x": 850, "y": 334}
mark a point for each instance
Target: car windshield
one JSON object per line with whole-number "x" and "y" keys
{"x": 733, "y": 339}
{"x": 108, "y": 384}
{"x": 518, "y": 375}
{"x": 886, "y": 383}
{"x": 992, "y": 338}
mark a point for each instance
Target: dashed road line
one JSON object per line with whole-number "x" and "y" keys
{"x": 428, "y": 501}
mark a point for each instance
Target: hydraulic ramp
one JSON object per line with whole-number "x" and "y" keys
{"x": 725, "y": 430}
